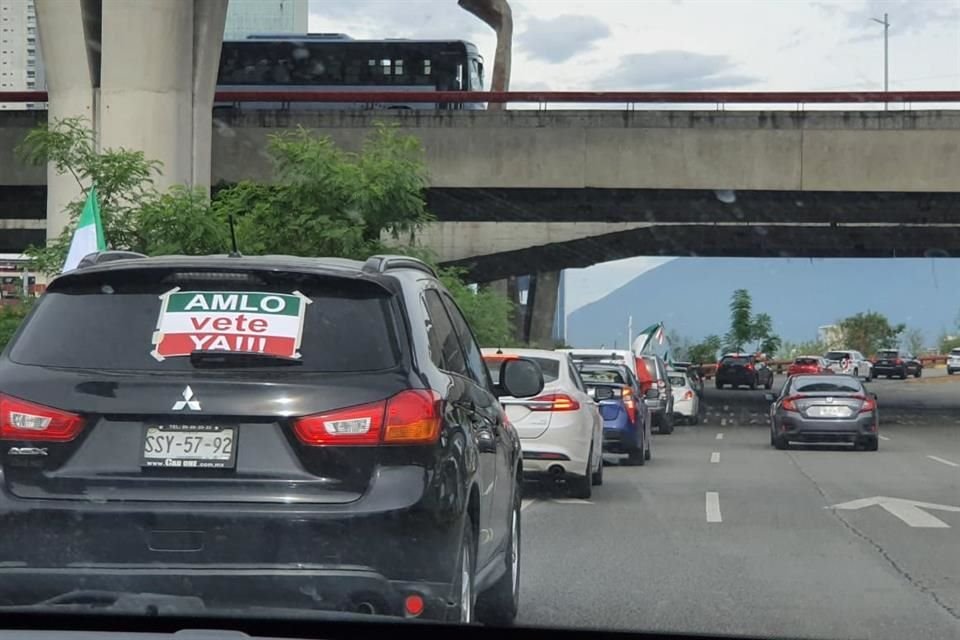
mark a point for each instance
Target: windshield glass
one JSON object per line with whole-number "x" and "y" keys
{"x": 263, "y": 262}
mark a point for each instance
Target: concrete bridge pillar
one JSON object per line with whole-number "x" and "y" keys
{"x": 143, "y": 73}
{"x": 542, "y": 307}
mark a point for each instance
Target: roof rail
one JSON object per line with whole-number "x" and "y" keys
{"x": 382, "y": 263}
{"x": 100, "y": 257}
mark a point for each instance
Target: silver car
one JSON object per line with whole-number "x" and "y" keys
{"x": 824, "y": 408}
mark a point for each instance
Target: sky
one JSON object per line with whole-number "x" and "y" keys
{"x": 683, "y": 45}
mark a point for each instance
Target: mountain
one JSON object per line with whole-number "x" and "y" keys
{"x": 691, "y": 296}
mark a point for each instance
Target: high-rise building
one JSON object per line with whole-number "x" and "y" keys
{"x": 245, "y": 17}
{"x": 21, "y": 68}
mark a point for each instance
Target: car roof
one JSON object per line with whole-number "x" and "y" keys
{"x": 509, "y": 351}
{"x": 599, "y": 352}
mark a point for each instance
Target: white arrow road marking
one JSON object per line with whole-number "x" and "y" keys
{"x": 719, "y": 436}
{"x": 910, "y": 511}
{"x": 885, "y": 438}
{"x": 943, "y": 461}
{"x": 713, "y": 507}
{"x": 715, "y": 457}
{"x": 526, "y": 503}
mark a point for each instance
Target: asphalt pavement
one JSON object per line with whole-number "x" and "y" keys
{"x": 721, "y": 533}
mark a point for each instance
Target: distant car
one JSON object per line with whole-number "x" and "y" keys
{"x": 686, "y": 402}
{"x": 850, "y": 362}
{"x": 897, "y": 362}
{"x": 807, "y": 364}
{"x": 561, "y": 432}
{"x": 953, "y": 361}
{"x": 626, "y": 424}
{"x": 693, "y": 373}
{"x": 652, "y": 372}
{"x": 743, "y": 370}
{"x": 824, "y": 408}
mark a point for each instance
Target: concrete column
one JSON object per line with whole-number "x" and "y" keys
{"x": 67, "y": 54}
{"x": 543, "y": 307}
{"x": 501, "y": 287}
{"x": 158, "y": 75}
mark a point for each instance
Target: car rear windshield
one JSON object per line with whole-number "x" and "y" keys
{"x": 678, "y": 381}
{"x": 841, "y": 384}
{"x": 955, "y": 352}
{"x": 549, "y": 367}
{"x": 131, "y": 321}
{"x": 888, "y": 354}
{"x": 805, "y": 361}
{"x": 602, "y": 375}
{"x": 732, "y": 360}
{"x": 837, "y": 355}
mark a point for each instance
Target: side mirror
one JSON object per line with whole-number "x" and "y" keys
{"x": 652, "y": 394}
{"x": 769, "y": 397}
{"x": 520, "y": 378}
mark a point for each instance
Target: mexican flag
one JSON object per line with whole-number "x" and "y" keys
{"x": 88, "y": 237}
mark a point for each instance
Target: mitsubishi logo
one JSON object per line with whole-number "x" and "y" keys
{"x": 188, "y": 401}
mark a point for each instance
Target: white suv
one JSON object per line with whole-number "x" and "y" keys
{"x": 953, "y": 361}
{"x": 849, "y": 362}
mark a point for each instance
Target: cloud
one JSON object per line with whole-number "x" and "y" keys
{"x": 558, "y": 39}
{"x": 393, "y": 19}
{"x": 673, "y": 71}
{"x": 906, "y": 16}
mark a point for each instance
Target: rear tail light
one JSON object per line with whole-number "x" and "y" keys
{"x": 22, "y": 420}
{"x": 749, "y": 367}
{"x": 558, "y": 402}
{"x": 688, "y": 395}
{"x": 898, "y": 361}
{"x": 630, "y": 404}
{"x": 410, "y": 417}
{"x": 869, "y": 404}
{"x": 789, "y": 404}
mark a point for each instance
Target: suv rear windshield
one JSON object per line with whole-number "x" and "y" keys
{"x": 549, "y": 367}
{"x": 888, "y": 354}
{"x": 805, "y": 361}
{"x": 837, "y": 355}
{"x": 836, "y": 383}
{"x": 109, "y": 322}
{"x": 678, "y": 381}
{"x": 734, "y": 360}
{"x": 602, "y": 375}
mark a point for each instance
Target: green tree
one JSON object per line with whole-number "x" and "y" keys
{"x": 741, "y": 323}
{"x": 790, "y": 350}
{"x": 869, "y": 332}
{"x": 913, "y": 341}
{"x": 947, "y": 343}
{"x": 704, "y": 351}
{"x": 322, "y": 201}
{"x": 10, "y": 317}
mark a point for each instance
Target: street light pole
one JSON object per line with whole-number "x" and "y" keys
{"x": 886, "y": 55}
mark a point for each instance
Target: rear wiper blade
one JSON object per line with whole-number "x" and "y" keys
{"x": 202, "y": 359}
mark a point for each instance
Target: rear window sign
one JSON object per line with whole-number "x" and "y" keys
{"x": 241, "y": 321}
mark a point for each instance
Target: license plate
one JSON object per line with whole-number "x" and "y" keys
{"x": 830, "y": 412}
{"x": 190, "y": 446}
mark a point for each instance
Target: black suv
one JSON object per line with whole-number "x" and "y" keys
{"x": 310, "y": 433}
{"x": 897, "y": 362}
{"x": 744, "y": 370}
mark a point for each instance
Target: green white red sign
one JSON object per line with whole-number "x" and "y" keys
{"x": 241, "y": 321}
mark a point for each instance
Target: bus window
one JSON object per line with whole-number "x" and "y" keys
{"x": 476, "y": 76}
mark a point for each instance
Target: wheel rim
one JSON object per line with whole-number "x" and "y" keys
{"x": 515, "y": 554}
{"x": 466, "y": 589}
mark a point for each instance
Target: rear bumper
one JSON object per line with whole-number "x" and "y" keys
{"x": 799, "y": 429}
{"x": 738, "y": 379}
{"x": 685, "y": 408}
{"x": 888, "y": 370}
{"x": 535, "y": 468}
{"x": 620, "y": 440}
{"x": 326, "y": 587}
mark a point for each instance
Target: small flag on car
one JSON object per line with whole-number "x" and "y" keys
{"x": 88, "y": 236}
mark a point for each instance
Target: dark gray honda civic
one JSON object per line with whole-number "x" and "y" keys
{"x": 824, "y": 408}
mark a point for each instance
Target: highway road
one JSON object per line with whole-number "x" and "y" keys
{"x": 721, "y": 533}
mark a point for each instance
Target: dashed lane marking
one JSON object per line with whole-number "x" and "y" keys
{"x": 713, "y": 507}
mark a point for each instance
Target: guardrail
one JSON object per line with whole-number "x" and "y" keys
{"x": 781, "y": 366}
{"x": 560, "y": 97}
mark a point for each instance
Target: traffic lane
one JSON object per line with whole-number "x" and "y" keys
{"x": 903, "y": 500}
{"x": 642, "y": 555}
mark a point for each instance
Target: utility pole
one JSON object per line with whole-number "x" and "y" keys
{"x": 886, "y": 56}
{"x": 630, "y": 332}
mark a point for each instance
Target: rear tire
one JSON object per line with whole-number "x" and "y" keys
{"x": 753, "y": 384}
{"x": 581, "y": 487}
{"x": 597, "y": 477}
{"x": 949, "y": 372}
{"x": 694, "y": 420}
{"x": 498, "y": 605}
{"x": 464, "y": 582}
{"x": 769, "y": 384}
{"x": 781, "y": 443}
{"x": 871, "y": 444}
{"x": 918, "y": 373}
{"x": 903, "y": 374}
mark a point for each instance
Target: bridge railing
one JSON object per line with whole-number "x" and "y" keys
{"x": 781, "y": 366}
{"x": 630, "y": 99}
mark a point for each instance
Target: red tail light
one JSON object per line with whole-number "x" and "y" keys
{"x": 22, "y": 420}
{"x": 688, "y": 395}
{"x": 410, "y": 417}
{"x": 898, "y": 361}
{"x": 869, "y": 404}
{"x": 749, "y": 367}
{"x": 558, "y": 402}
{"x": 630, "y": 404}
{"x": 789, "y": 404}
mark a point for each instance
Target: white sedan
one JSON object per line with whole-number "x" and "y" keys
{"x": 686, "y": 401}
{"x": 561, "y": 431}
